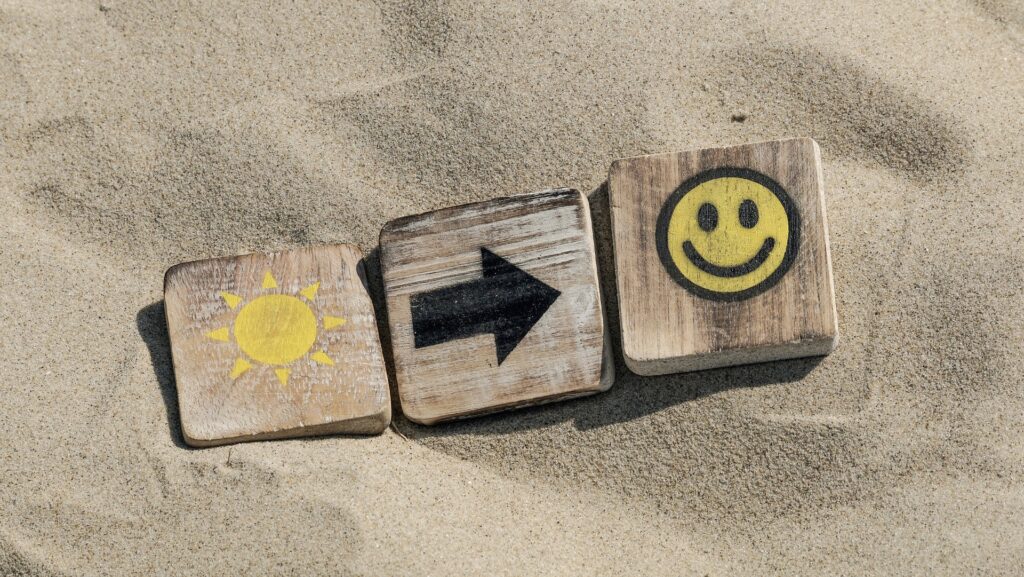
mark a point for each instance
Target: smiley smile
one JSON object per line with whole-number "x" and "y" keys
{"x": 729, "y": 271}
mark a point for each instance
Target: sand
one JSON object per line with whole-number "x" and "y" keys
{"x": 136, "y": 136}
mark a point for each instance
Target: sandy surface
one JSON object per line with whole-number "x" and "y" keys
{"x": 137, "y": 137}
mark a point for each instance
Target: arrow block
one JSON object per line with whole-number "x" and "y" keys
{"x": 494, "y": 305}
{"x": 275, "y": 346}
{"x": 722, "y": 257}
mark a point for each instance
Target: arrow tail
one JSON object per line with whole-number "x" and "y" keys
{"x": 449, "y": 313}
{"x": 506, "y": 302}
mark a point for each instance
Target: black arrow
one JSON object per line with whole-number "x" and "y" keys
{"x": 506, "y": 302}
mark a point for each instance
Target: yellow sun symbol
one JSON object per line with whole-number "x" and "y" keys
{"x": 275, "y": 329}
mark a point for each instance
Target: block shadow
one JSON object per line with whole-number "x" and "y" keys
{"x": 631, "y": 397}
{"x": 151, "y": 323}
{"x": 373, "y": 280}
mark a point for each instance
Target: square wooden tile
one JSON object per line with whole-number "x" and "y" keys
{"x": 274, "y": 346}
{"x": 722, "y": 256}
{"x": 494, "y": 305}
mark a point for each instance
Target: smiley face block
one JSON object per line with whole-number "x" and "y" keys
{"x": 275, "y": 346}
{"x": 494, "y": 305}
{"x": 722, "y": 257}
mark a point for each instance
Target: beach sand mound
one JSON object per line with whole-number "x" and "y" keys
{"x": 135, "y": 136}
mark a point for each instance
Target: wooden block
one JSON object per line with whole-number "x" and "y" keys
{"x": 722, "y": 256}
{"x": 494, "y": 305}
{"x": 274, "y": 346}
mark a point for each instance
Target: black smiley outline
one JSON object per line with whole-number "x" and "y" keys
{"x": 792, "y": 246}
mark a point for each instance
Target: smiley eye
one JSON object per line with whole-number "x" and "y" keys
{"x": 748, "y": 214}
{"x": 707, "y": 217}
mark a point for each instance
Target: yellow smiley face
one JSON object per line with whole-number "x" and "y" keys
{"x": 728, "y": 234}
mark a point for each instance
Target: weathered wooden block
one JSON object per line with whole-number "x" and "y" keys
{"x": 494, "y": 305}
{"x": 722, "y": 256}
{"x": 274, "y": 346}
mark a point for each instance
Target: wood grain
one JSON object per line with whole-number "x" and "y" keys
{"x": 547, "y": 235}
{"x": 666, "y": 327}
{"x": 338, "y": 385}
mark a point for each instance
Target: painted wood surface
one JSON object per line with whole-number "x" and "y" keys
{"x": 722, "y": 256}
{"x": 274, "y": 346}
{"x": 494, "y": 305}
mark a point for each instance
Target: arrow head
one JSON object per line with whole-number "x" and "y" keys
{"x": 524, "y": 300}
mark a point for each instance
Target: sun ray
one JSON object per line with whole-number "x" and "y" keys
{"x": 231, "y": 300}
{"x": 310, "y": 291}
{"x": 282, "y": 375}
{"x": 331, "y": 322}
{"x": 221, "y": 334}
{"x": 322, "y": 358}
{"x": 269, "y": 281}
{"x": 241, "y": 365}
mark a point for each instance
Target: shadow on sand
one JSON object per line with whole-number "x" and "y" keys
{"x": 152, "y": 325}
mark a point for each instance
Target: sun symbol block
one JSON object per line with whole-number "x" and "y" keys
{"x": 275, "y": 346}
{"x": 722, "y": 256}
